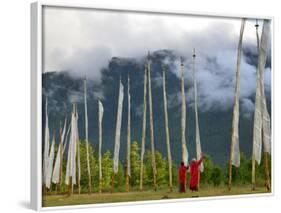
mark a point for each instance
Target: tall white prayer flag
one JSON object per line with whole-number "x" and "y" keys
{"x": 100, "y": 136}
{"x": 50, "y": 164}
{"x": 183, "y": 118}
{"x": 235, "y": 152}
{"x": 197, "y": 131}
{"x": 166, "y": 118}
{"x": 56, "y": 171}
{"x": 72, "y": 148}
{"x": 143, "y": 126}
{"x": 66, "y": 137}
{"x": 118, "y": 128}
{"x": 87, "y": 138}
{"x": 153, "y": 160}
{"x": 266, "y": 129}
{"x": 261, "y": 116}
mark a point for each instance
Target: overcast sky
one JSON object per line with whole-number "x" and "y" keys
{"x": 84, "y": 40}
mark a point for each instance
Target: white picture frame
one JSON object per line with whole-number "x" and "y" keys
{"x": 36, "y": 103}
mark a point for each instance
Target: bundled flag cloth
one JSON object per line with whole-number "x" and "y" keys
{"x": 261, "y": 116}
{"x": 50, "y": 164}
{"x": 100, "y": 136}
{"x": 235, "y": 153}
{"x": 197, "y": 131}
{"x": 183, "y": 118}
{"x": 118, "y": 128}
{"x": 72, "y": 149}
{"x": 58, "y": 161}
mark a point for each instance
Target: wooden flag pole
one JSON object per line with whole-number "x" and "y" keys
{"x": 151, "y": 126}
{"x": 266, "y": 171}
{"x": 230, "y": 165}
{"x": 78, "y": 155}
{"x": 143, "y": 126}
{"x": 60, "y": 154}
{"x": 70, "y": 187}
{"x": 112, "y": 182}
{"x": 167, "y": 131}
{"x": 128, "y": 137}
{"x": 127, "y": 182}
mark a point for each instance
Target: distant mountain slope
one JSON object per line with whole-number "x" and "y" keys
{"x": 215, "y": 126}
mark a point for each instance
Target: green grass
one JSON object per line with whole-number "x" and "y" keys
{"x": 205, "y": 191}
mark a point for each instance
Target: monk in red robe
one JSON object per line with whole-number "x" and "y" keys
{"x": 194, "y": 173}
{"x": 182, "y": 177}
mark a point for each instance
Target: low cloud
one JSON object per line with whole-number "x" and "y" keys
{"x": 83, "y": 42}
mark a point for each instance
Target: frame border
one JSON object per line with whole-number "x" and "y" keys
{"x": 36, "y": 100}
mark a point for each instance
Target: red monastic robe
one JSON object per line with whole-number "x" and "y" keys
{"x": 194, "y": 174}
{"x": 182, "y": 174}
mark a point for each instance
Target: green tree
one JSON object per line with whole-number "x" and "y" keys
{"x": 161, "y": 166}
{"x": 135, "y": 164}
{"x": 83, "y": 166}
{"x": 147, "y": 174}
{"x": 241, "y": 174}
{"x": 216, "y": 176}
{"x": 106, "y": 170}
{"x": 119, "y": 180}
{"x": 205, "y": 176}
{"x": 162, "y": 169}
{"x": 175, "y": 174}
{"x": 260, "y": 171}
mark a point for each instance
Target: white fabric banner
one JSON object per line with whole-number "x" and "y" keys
{"x": 266, "y": 129}
{"x": 143, "y": 134}
{"x": 183, "y": 119}
{"x": 56, "y": 171}
{"x": 118, "y": 128}
{"x": 261, "y": 116}
{"x": 100, "y": 137}
{"x": 235, "y": 157}
{"x": 66, "y": 137}
{"x": 197, "y": 131}
{"x": 50, "y": 164}
{"x": 71, "y": 160}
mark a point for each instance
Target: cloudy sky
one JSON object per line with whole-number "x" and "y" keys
{"x": 83, "y": 41}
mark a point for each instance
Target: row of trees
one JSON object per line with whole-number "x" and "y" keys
{"x": 212, "y": 175}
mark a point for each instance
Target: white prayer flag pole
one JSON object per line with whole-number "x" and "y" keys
{"x": 197, "y": 130}
{"x": 117, "y": 132}
{"x": 128, "y": 171}
{"x": 151, "y": 124}
{"x": 100, "y": 144}
{"x": 143, "y": 126}
{"x": 87, "y": 138}
{"x": 234, "y": 148}
{"x": 167, "y": 131}
{"x": 183, "y": 118}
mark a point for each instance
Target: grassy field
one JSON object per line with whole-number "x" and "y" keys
{"x": 61, "y": 200}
